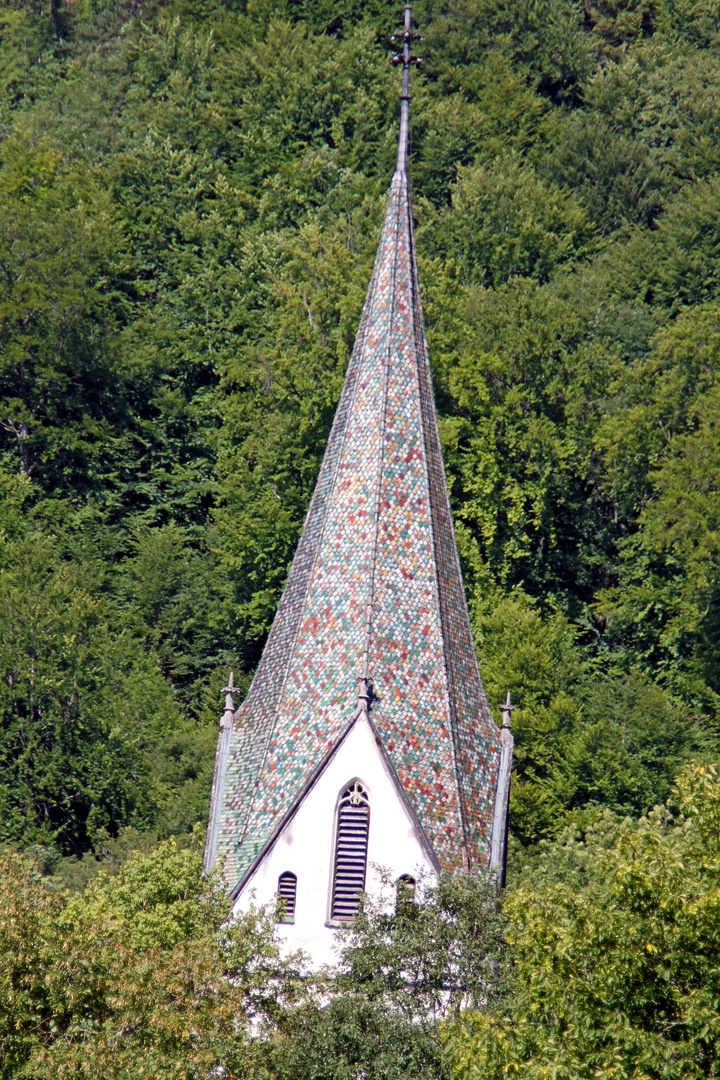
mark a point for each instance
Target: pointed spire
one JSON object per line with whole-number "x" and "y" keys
{"x": 373, "y": 620}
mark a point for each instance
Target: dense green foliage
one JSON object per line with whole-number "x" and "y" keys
{"x": 615, "y": 967}
{"x": 135, "y": 978}
{"x": 142, "y": 976}
{"x": 605, "y": 962}
{"x": 415, "y": 956}
{"x": 192, "y": 193}
{"x": 191, "y": 197}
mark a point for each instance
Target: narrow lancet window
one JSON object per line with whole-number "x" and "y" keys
{"x": 287, "y": 893}
{"x": 405, "y": 894}
{"x": 351, "y": 848}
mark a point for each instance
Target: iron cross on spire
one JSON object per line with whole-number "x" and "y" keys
{"x": 406, "y": 58}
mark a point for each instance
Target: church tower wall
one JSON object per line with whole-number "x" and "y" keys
{"x": 306, "y": 843}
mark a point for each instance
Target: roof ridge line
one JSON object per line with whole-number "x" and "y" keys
{"x": 381, "y": 463}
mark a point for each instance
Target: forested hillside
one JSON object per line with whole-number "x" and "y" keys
{"x": 191, "y": 194}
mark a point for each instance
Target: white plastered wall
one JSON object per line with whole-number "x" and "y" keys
{"x": 305, "y": 844}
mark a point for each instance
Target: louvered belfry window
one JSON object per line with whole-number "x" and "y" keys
{"x": 351, "y": 847}
{"x": 287, "y": 892}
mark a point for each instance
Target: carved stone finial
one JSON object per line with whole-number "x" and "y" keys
{"x": 507, "y": 708}
{"x": 229, "y": 710}
{"x": 364, "y": 694}
{"x": 218, "y": 788}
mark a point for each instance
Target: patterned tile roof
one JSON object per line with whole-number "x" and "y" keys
{"x": 374, "y": 599}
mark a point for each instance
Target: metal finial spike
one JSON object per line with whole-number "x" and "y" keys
{"x": 407, "y": 59}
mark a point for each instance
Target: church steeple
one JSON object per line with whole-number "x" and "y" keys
{"x": 373, "y": 624}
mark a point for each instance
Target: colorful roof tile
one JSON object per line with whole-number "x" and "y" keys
{"x": 374, "y": 613}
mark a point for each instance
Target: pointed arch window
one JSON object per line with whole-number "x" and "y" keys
{"x": 287, "y": 893}
{"x": 351, "y": 848}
